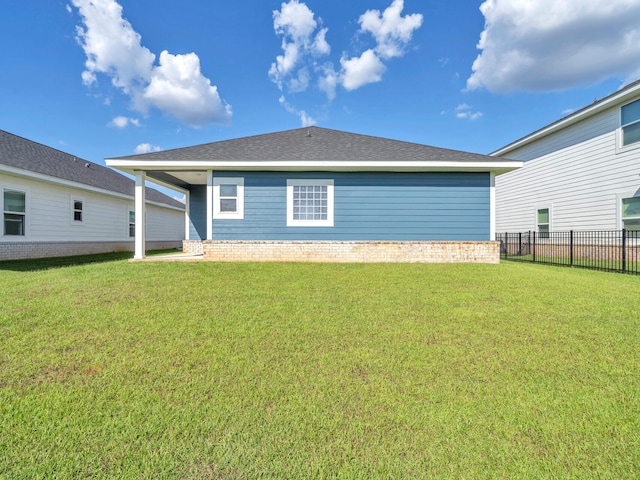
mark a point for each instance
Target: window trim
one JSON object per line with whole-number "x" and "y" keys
{"x": 239, "y": 183}
{"x": 329, "y": 183}
{"x": 548, "y": 224}
{"x": 621, "y": 198}
{"x": 621, "y": 147}
{"x": 131, "y": 225}
{"x": 73, "y": 210}
{"x": 11, "y": 212}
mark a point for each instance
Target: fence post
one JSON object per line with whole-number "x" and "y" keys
{"x": 624, "y": 251}
{"x": 520, "y": 244}
{"x": 506, "y": 245}
{"x": 571, "y": 248}
{"x": 534, "y": 246}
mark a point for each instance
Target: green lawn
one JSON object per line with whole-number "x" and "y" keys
{"x": 111, "y": 369}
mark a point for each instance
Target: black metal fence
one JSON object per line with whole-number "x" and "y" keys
{"x": 611, "y": 251}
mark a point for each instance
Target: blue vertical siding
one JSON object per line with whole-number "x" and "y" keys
{"x": 368, "y": 206}
{"x": 198, "y": 212}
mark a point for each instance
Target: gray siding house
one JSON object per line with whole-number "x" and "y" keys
{"x": 581, "y": 172}
{"x": 316, "y": 194}
{"x": 55, "y": 204}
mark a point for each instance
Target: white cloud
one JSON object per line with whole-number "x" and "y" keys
{"x": 392, "y": 33}
{"x": 176, "y": 86}
{"x": 359, "y": 71}
{"x": 546, "y": 45}
{"x": 328, "y": 80}
{"x": 123, "y": 122}
{"x": 304, "y": 43}
{"x": 146, "y": 148}
{"x": 296, "y": 24}
{"x": 391, "y": 30}
{"x": 306, "y": 120}
{"x": 465, "y": 112}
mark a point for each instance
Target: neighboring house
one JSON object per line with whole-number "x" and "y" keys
{"x": 316, "y": 194}
{"x": 580, "y": 173}
{"x": 55, "y": 204}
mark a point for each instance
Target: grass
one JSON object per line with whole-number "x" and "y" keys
{"x": 111, "y": 369}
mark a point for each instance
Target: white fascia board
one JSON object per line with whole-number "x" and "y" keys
{"x": 620, "y": 98}
{"x": 498, "y": 167}
{"x": 28, "y": 174}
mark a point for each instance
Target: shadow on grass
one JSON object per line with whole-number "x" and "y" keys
{"x": 38, "y": 264}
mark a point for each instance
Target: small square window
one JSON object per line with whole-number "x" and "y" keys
{"x": 228, "y": 198}
{"x": 15, "y": 207}
{"x": 630, "y": 123}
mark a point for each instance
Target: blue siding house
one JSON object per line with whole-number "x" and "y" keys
{"x": 315, "y": 194}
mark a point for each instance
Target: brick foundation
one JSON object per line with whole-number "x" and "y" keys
{"x": 24, "y": 250}
{"x": 351, "y": 252}
{"x": 193, "y": 247}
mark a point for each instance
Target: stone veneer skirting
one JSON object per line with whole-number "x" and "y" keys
{"x": 24, "y": 250}
{"x": 192, "y": 246}
{"x": 351, "y": 251}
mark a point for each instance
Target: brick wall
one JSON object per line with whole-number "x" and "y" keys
{"x": 24, "y": 250}
{"x": 374, "y": 252}
{"x": 192, "y": 246}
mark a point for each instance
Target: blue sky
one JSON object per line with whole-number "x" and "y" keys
{"x": 105, "y": 78}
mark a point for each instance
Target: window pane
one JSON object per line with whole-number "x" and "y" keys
{"x": 132, "y": 217}
{"x": 631, "y": 134}
{"x": 229, "y": 190}
{"x": 631, "y": 112}
{"x": 14, "y": 201}
{"x": 631, "y": 207}
{"x": 13, "y": 224}
{"x": 543, "y": 231}
{"x": 543, "y": 215}
{"x": 132, "y": 230}
{"x": 228, "y": 205}
{"x": 77, "y": 205}
{"x": 77, "y": 216}
{"x": 631, "y": 225}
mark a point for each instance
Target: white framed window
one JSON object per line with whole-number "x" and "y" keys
{"x": 14, "y": 206}
{"x": 543, "y": 220}
{"x": 310, "y": 203}
{"x": 77, "y": 211}
{"x": 228, "y": 198}
{"x": 630, "y": 213}
{"x": 132, "y": 223}
{"x": 630, "y": 123}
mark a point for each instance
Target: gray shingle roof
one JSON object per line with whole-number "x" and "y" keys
{"x": 312, "y": 143}
{"x": 25, "y": 154}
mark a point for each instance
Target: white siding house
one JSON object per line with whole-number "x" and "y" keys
{"x": 55, "y": 204}
{"x": 580, "y": 173}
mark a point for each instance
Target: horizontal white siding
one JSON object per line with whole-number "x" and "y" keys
{"x": 164, "y": 224}
{"x": 49, "y": 216}
{"x": 577, "y": 173}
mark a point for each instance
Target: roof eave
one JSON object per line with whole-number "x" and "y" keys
{"x": 497, "y": 167}
{"x": 620, "y": 97}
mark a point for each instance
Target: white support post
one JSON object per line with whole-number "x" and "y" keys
{"x": 140, "y": 205}
{"x": 187, "y": 215}
{"x": 210, "y": 205}
{"x": 492, "y": 197}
